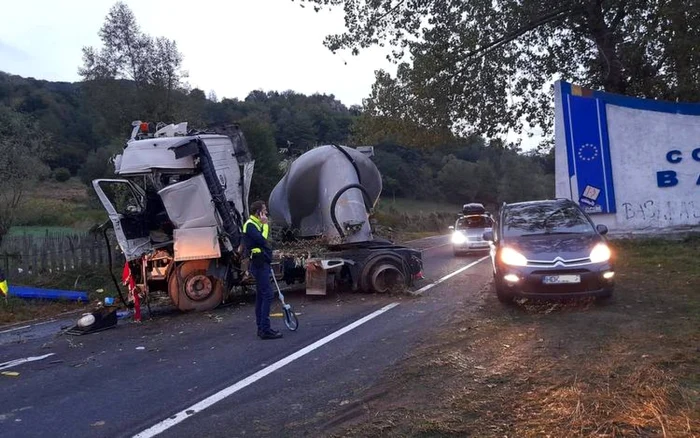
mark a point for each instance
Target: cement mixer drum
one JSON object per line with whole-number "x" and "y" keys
{"x": 328, "y": 192}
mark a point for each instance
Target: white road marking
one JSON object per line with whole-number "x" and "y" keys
{"x": 15, "y": 329}
{"x": 448, "y": 276}
{"x": 14, "y": 363}
{"x": 226, "y": 392}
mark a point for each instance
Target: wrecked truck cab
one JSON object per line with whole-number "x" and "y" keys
{"x": 178, "y": 211}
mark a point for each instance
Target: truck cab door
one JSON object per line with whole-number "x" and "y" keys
{"x": 125, "y": 204}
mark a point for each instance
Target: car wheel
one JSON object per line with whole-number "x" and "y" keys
{"x": 605, "y": 297}
{"x": 503, "y": 293}
{"x": 456, "y": 253}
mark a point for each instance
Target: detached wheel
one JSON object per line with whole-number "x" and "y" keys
{"x": 191, "y": 288}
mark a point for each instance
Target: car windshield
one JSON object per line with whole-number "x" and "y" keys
{"x": 474, "y": 222}
{"x": 540, "y": 219}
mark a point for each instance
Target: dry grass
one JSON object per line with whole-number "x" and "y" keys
{"x": 16, "y": 310}
{"x": 628, "y": 368}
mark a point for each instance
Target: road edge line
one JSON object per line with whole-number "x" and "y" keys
{"x": 186, "y": 413}
{"x": 447, "y": 277}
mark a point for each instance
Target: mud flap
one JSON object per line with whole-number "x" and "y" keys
{"x": 104, "y": 318}
{"x": 316, "y": 278}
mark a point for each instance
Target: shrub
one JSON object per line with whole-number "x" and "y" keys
{"x": 62, "y": 174}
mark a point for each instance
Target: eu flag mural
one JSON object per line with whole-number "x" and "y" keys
{"x": 588, "y": 149}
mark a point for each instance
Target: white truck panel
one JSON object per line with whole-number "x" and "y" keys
{"x": 227, "y": 168}
{"x": 196, "y": 244}
{"x": 189, "y": 203}
{"x": 144, "y": 156}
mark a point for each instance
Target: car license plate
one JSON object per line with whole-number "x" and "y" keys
{"x": 561, "y": 279}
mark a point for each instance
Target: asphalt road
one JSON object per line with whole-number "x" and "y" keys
{"x": 208, "y": 375}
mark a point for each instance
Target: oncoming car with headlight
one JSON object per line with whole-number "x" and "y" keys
{"x": 549, "y": 249}
{"x": 468, "y": 233}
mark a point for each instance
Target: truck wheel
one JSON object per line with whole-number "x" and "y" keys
{"x": 191, "y": 288}
{"x": 385, "y": 274}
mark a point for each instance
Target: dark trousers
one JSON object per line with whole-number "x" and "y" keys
{"x": 264, "y": 296}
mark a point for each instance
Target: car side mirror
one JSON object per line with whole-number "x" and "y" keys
{"x": 488, "y": 236}
{"x": 452, "y": 227}
{"x": 602, "y": 229}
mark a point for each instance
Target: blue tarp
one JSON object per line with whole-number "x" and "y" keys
{"x": 36, "y": 293}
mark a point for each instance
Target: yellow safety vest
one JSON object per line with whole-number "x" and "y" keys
{"x": 263, "y": 228}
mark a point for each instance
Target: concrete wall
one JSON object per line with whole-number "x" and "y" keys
{"x": 650, "y": 151}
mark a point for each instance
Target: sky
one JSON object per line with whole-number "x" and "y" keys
{"x": 231, "y": 47}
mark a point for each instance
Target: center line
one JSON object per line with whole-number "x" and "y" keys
{"x": 447, "y": 277}
{"x": 226, "y": 392}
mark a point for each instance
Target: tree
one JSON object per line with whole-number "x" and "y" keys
{"x": 99, "y": 162}
{"x": 22, "y": 146}
{"x": 152, "y": 64}
{"x": 261, "y": 142}
{"x": 458, "y": 180}
{"x": 487, "y": 65}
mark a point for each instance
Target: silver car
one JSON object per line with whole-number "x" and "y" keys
{"x": 468, "y": 231}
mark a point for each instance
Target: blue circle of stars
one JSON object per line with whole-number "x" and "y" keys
{"x": 588, "y": 152}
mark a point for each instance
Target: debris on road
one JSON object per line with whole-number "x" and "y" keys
{"x": 10, "y": 373}
{"x": 101, "y": 319}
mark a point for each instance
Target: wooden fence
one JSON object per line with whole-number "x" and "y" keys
{"x": 55, "y": 252}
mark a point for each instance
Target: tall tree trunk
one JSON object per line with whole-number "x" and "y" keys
{"x": 611, "y": 69}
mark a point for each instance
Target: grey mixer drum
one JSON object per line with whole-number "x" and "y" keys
{"x": 327, "y": 192}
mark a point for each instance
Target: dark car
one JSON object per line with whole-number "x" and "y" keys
{"x": 549, "y": 249}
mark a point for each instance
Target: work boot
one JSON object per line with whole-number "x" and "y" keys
{"x": 260, "y": 332}
{"x": 270, "y": 335}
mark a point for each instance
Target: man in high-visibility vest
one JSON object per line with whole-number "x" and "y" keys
{"x": 255, "y": 234}
{"x": 3, "y": 284}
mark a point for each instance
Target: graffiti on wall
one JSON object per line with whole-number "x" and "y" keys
{"x": 654, "y": 212}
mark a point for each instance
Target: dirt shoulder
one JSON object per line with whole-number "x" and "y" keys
{"x": 627, "y": 367}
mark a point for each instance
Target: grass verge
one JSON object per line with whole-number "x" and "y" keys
{"x": 629, "y": 367}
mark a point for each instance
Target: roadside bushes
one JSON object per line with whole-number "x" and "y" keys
{"x": 61, "y": 174}
{"x": 415, "y": 222}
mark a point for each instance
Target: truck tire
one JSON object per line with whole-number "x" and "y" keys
{"x": 190, "y": 288}
{"x": 384, "y": 274}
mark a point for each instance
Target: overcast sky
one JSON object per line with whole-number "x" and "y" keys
{"x": 231, "y": 47}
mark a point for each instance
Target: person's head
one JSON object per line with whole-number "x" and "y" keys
{"x": 258, "y": 208}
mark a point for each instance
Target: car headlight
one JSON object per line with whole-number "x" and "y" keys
{"x": 509, "y": 256}
{"x": 458, "y": 238}
{"x": 600, "y": 253}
